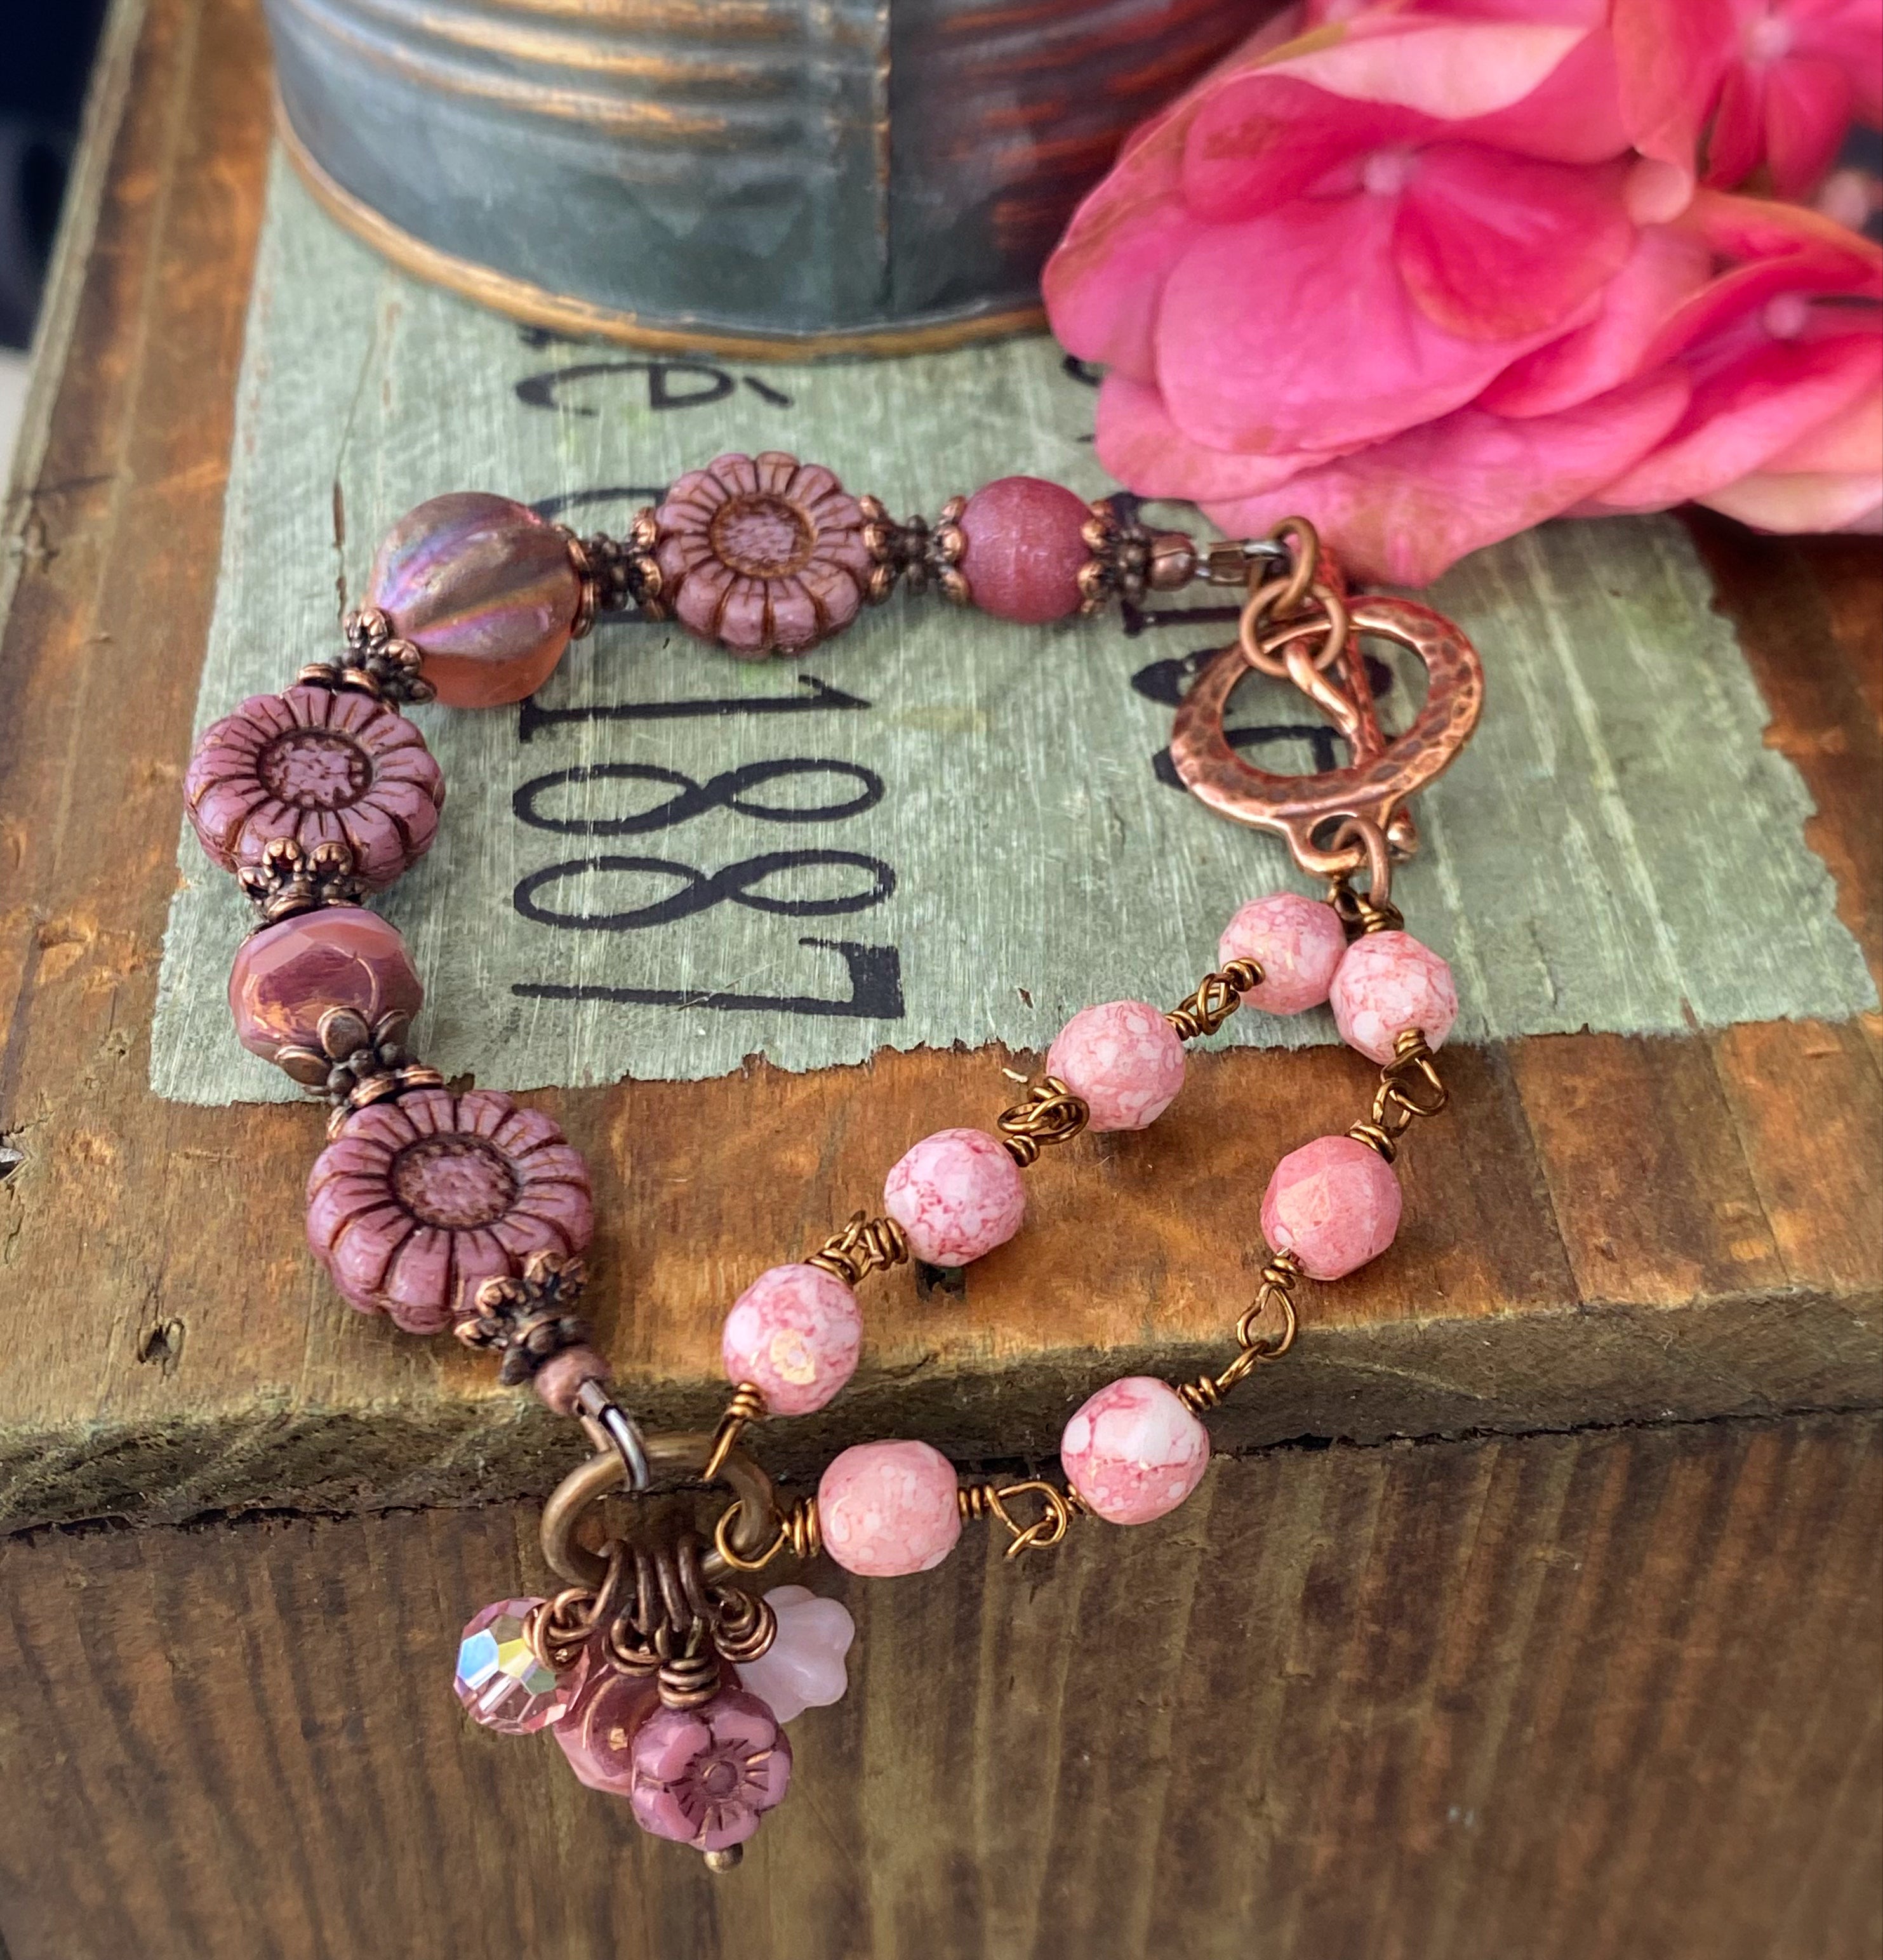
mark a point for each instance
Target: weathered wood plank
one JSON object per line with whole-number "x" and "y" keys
{"x": 1600, "y": 1697}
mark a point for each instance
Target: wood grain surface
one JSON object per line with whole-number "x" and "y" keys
{"x": 1601, "y": 1697}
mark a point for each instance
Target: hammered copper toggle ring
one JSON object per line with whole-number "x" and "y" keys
{"x": 1380, "y": 775}
{"x": 754, "y": 1512}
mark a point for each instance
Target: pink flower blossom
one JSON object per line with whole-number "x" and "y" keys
{"x": 1429, "y": 274}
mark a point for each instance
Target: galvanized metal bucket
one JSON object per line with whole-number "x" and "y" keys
{"x": 790, "y": 177}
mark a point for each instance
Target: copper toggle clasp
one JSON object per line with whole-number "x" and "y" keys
{"x": 1299, "y": 625}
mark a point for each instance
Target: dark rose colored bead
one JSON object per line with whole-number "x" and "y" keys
{"x": 559, "y": 1379}
{"x": 484, "y": 589}
{"x": 320, "y": 767}
{"x": 418, "y": 1201}
{"x": 287, "y": 976}
{"x": 1025, "y": 545}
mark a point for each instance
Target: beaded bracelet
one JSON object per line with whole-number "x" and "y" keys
{"x": 663, "y": 1675}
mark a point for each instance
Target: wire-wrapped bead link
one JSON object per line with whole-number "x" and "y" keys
{"x": 1217, "y": 995}
{"x": 1050, "y": 1114}
{"x": 1409, "y": 1086}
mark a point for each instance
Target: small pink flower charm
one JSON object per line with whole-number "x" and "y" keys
{"x": 318, "y": 766}
{"x": 704, "y": 1777}
{"x": 803, "y": 1668}
{"x": 764, "y": 553}
{"x": 418, "y": 1201}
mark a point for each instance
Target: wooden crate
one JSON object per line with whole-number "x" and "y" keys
{"x": 1534, "y": 1609}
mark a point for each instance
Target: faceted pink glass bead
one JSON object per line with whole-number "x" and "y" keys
{"x": 1387, "y": 983}
{"x": 287, "y": 976}
{"x": 1025, "y": 545}
{"x": 705, "y": 1776}
{"x": 420, "y": 1200}
{"x": 501, "y": 1682}
{"x": 1334, "y": 1203}
{"x": 886, "y": 1509}
{"x": 794, "y": 1333}
{"x": 1298, "y": 943}
{"x": 319, "y": 765}
{"x": 762, "y": 553}
{"x": 1133, "y": 1452}
{"x": 484, "y": 589}
{"x": 957, "y": 1195}
{"x": 597, "y": 1730}
{"x": 1124, "y": 1058}
{"x": 803, "y": 1668}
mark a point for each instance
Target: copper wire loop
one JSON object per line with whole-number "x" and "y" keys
{"x": 1058, "y": 1508}
{"x": 797, "y": 1532}
{"x": 1217, "y": 997}
{"x": 865, "y": 1245}
{"x": 747, "y": 1406}
{"x": 1409, "y": 1086}
{"x": 1051, "y": 1114}
{"x": 1275, "y": 1296}
{"x": 754, "y": 1506}
{"x": 1372, "y": 910}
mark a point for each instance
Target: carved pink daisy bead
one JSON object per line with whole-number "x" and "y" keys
{"x": 1133, "y": 1452}
{"x": 794, "y": 1333}
{"x": 705, "y": 1776}
{"x": 764, "y": 553}
{"x": 1334, "y": 1203}
{"x": 319, "y": 765}
{"x": 1387, "y": 983}
{"x": 420, "y": 1200}
{"x": 957, "y": 1195}
{"x": 1297, "y": 942}
{"x": 887, "y": 1509}
{"x": 1124, "y": 1059}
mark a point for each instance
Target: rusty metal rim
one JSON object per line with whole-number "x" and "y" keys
{"x": 585, "y": 319}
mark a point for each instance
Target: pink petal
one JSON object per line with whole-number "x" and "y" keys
{"x": 1737, "y": 137}
{"x": 1403, "y": 510}
{"x": 1266, "y": 137}
{"x": 1140, "y": 444}
{"x": 1497, "y": 248}
{"x": 1801, "y": 501}
{"x": 1807, "y": 105}
{"x": 1669, "y": 55}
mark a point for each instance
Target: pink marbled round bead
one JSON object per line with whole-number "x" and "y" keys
{"x": 1334, "y": 1203}
{"x": 957, "y": 1195}
{"x": 1133, "y": 1452}
{"x": 484, "y": 589}
{"x": 1297, "y": 942}
{"x": 885, "y": 1508}
{"x": 1025, "y": 545}
{"x": 1387, "y": 983}
{"x": 286, "y": 977}
{"x": 1124, "y": 1059}
{"x": 796, "y": 1333}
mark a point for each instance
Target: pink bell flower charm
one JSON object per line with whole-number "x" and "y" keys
{"x": 803, "y": 1668}
{"x": 705, "y": 1775}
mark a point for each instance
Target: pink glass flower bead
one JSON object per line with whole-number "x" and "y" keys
{"x": 319, "y": 765}
{"x": 499, "y": 1679}
{"x": 1387, "y": 983}
{"x": 803, "y": 1668}
{"x": 705, "y": 1776}
{"x": 1124, "y": 1058}
{"x": 484, "y": 589}
{"x": 597, "y": 1729}
{"x": 794, "y": 1333}
{"x": 886, "y": 1509}
{"x": 1297, "y": 942}
{"x": 957, "y": 1195}
{"x": 764, "y": 553}
{"x": 1025, "y": 545}
{"x": 1334, "y": 1203}
{"x": 420, "y": 1200}
{"x": 286, "y": 977}
{"x": 1133, "y": 1452}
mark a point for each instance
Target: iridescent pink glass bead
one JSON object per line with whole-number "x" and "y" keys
{"x": 316, "y": 765}
{"x": 1133, "y": 1452}
{"x": 597, "y": 1729}
{"x": 286, "y": 977}
{"x": 803, "y": 1668}
{"x": 1025, "y": 545}
{"x": 886, "y": 1509}
{"x": 705, "y": 1776}
{"x": 484, "y": 589}
{"x": 957, "y": 1195}
{"x": 500, "y": 1681}
{"x": 418, "y": 1201}
{"x": 794, "y": 1333}
{"x": 1387, "y": 983}
{"x": 1124, "y": 1058}
{"x": 1334, "y": 1203}
{"x": 1298, "y": 943}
